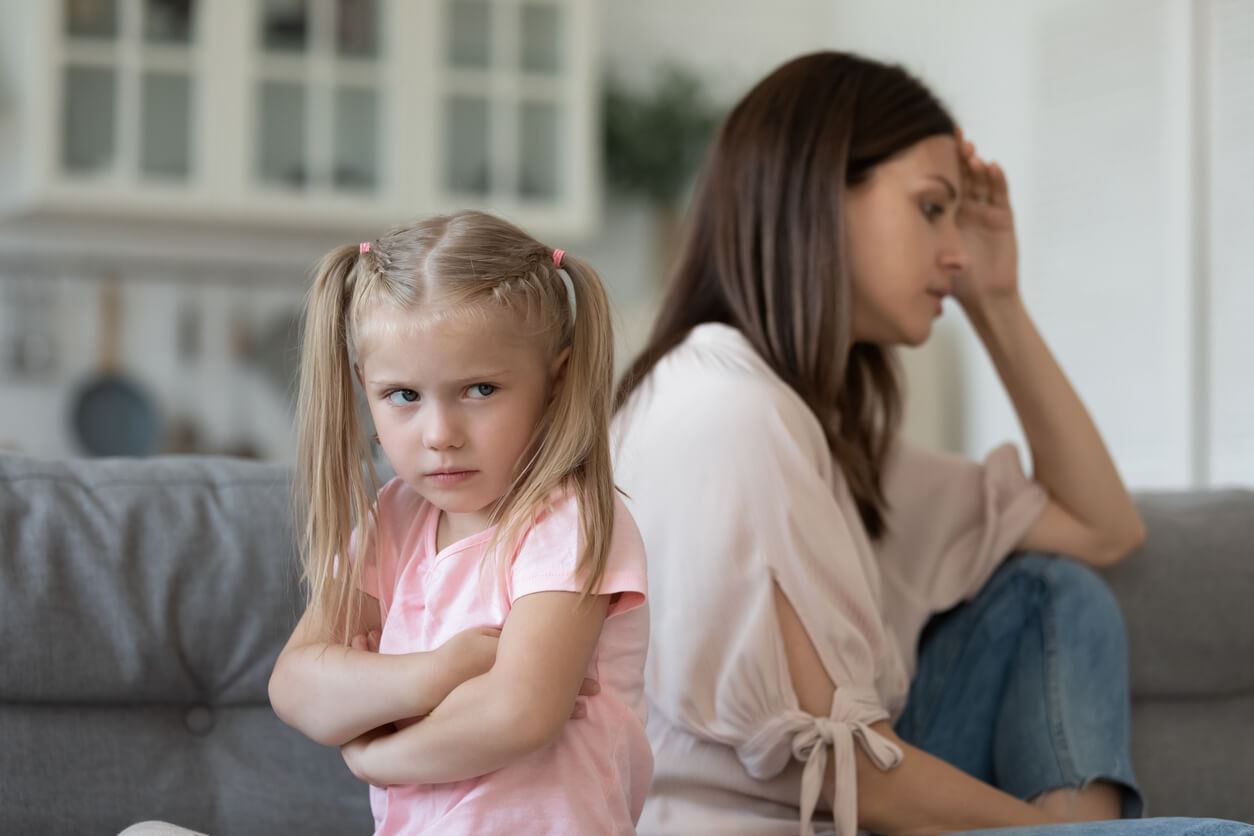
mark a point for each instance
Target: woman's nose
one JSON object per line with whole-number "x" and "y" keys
{"x": 953, "y": 255}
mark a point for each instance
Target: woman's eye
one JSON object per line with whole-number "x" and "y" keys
{"x": 932, "y": 211}
{"x": 401, "y": 397}
{"x": 482, "y": 390}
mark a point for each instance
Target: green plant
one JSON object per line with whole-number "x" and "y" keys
{"x": 654, "y": 141}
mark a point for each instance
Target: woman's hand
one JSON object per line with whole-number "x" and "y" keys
{"x": 988, "y": 229}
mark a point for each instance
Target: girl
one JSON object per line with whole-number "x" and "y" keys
{"x": 838, "y": 208}
{"x": 498, "y": 569}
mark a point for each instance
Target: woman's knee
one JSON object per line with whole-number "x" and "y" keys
{"x": 1079, "y": 597}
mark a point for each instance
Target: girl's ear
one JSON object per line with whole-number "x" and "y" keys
{"x": 557, "y": 372}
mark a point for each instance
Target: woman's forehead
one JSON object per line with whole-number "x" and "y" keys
{"x": 935, "y": 155}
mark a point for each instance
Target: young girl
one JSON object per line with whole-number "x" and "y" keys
{"x": 498, "y": 569}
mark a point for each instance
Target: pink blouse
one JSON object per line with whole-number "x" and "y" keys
{"x": 732, "y": 485}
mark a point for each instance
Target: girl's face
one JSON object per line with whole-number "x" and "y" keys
{"x": 455, "y": 403}
{"x": 905, "y": 250}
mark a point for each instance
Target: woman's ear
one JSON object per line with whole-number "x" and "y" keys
{"x": 557, "y": 372}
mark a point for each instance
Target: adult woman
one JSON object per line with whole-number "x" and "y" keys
{"x": 797, "y": 547}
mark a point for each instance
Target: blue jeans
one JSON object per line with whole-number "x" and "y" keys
{"x": 1025, "y": 687}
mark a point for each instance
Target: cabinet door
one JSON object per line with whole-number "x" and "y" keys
{"x": 515, "y": 88}
{"x": 319, "y": 96}
{"x": 127, "y": 91}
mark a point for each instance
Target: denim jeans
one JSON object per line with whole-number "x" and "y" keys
{"x": 1025, "y": 687}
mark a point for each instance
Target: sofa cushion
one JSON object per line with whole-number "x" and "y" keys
{"x": 143, "y": 604}
{"x": 1188, "y": 596}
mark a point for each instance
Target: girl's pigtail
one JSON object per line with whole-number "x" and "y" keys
{"x": 581, "y": 416}
{"x": 330, "y": 489}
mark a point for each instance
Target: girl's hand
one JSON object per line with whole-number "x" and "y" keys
{"x": 589, "y": 688}
{"x": 473, "y": 652}
{"x": 354, "y": 753}
{"x": 988, "y": 229}
{"x": 469, "y": 653}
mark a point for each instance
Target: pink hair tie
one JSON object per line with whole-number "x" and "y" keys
{"x": 363, "y": 247}
{"x": 557, "y": 257}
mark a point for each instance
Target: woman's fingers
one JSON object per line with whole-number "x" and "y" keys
{"x": 999, "y": 189}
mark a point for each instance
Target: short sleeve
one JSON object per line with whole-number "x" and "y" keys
{"x": 547, "y": 558}
{"x": 732, "y": 485}
{"x": 952, "y": 521}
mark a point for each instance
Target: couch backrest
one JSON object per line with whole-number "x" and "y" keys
{"x": 142, "y": 605}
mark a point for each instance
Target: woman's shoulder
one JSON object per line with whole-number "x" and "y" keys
{"x": 717, "y": 370}
{"x": 714, "y": 385}
{"x": 718, "y": 348}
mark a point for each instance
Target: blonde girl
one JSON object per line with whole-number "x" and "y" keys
{"x": 498, "y": 576}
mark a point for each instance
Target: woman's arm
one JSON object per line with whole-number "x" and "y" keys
{"x": 516, "y": 708}
{"x": 333, "y": 693}
{"x": 1090, "y": 514}
{"x": 922, "y": 794}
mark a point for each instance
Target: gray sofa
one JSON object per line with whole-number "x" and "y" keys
{"x": 142, "y": 604}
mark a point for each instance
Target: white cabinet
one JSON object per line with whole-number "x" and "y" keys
{"x": 285, "y": 115}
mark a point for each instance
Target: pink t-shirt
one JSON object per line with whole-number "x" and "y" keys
{"x": 594, "y": 778}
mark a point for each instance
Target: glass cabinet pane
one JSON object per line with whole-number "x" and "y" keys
{"x": 356, "y": 138}
{"x": 541, "y": 135}
{"x": 469, "y": 33}
{"x": 540, "y": 49}
{"x": 357, "y": 28}
{"x": 89, "y": 123}
{"x": 466, "y": 146}
{"x": 91, "y": 18}
{"x": 285, "y": 25}
{"x": 168, "y": 21}
{"x": 281, "y": 143}
{"x": 165, "y": 134}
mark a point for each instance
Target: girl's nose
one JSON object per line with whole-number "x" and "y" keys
{"x": 440, "y": 430}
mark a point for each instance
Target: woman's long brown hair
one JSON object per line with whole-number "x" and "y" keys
{"x": 765, "y": 248}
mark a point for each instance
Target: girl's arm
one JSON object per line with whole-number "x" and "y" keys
{"x": 1090, "y": 514}
{"x": 516, "y": 708}
{"x": 333, "y": 693}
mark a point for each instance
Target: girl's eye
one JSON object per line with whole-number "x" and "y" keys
{"x": 482, "y": 390}
{"x": 400, "y": 397}
{"x": 932, "y": 211}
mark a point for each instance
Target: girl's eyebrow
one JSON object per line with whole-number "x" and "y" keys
{"x": 478, "y": 377}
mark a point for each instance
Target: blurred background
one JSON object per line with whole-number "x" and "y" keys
{"x": 170, "y": 171}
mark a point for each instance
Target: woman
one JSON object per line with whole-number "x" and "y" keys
{"x": 797, "y": 547}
